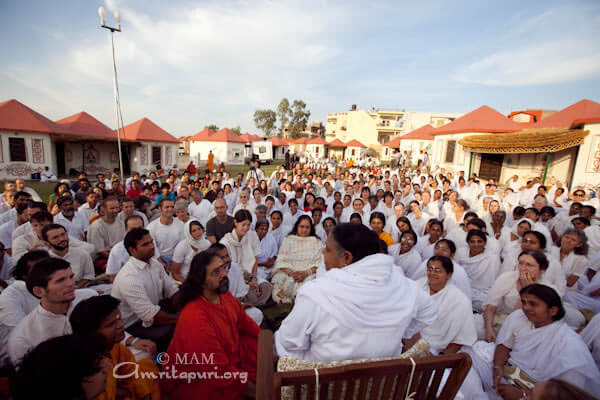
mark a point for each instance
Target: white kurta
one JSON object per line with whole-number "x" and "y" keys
{"x": 482, "y": 270}
{"x": 454, "y": 324}
{"x": 591, "y": 337}
{"x": 184, "y": 253}
{"x": 409, "y": 261}
{"x": 359, "y": 311}
{"x": 460, "y": 279}
{"x": 242, "y": 252}
{"x": 40, "y": 325}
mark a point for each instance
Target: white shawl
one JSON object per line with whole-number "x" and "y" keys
{"x": 243, "y": 253}
{"x": 409, "y": 261}
{"x": 365, "y": 295}
{"x": 455, "y": 322}
{"x": 549, "y": 352}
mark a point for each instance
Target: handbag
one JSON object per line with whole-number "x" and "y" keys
{"x": 515, "y": 376}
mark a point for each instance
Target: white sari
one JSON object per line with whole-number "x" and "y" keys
{"x": 242, "y": 252}
{"x": 409, "y": 261}
{"x": 482, "y": 270}
{"x": 454, "y": 323}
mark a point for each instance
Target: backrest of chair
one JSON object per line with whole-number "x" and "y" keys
{"x": 372, "y": 380}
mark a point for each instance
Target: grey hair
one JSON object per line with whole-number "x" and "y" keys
{"x": 583, "y": 248}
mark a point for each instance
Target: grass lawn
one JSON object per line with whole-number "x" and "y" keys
{"x": 45, "y": 189}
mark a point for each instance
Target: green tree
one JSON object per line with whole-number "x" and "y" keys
{"x": 284, "y": 113}
{"x": 237, "y": 130}
{"x": 212, "y": 127}
{"x": 265, "y": 120}
{"x": 299, "y": 118}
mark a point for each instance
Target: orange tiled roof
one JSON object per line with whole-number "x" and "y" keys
{"x": 355, "y": 143}
{"x": 423, "y": 133}
{"x": 226, "y": 135}
{"x": 584, "y": 111}
{"x": 395, "y": 142}
{"x": 317, "y": 140}
{"x": 483, "y": 119}
{"x": 146, "y": 130}
{"x": 249, "y": 137}
{"x": 336, "y": 143}
{"x": 202, "y": 136}
{"x": 83, "y": 124}
{"x": 302, "y": 140}
{"x": 277, "y": 141}
{"x": 16, "y": 116}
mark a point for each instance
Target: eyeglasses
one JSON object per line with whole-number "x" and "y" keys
{"x": 407, "y": 240}
{"x": 436, "y": 270}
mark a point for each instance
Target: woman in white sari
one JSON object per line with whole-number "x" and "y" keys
{"x": 243, "y": 244}
{"x": 297, "y": 262}
{"x": 427, "y": 243}
{"x": 482, "y": 266}
{"x": 512, "y": 243}
{"x": 454, "y": 327}
{"x": 572, "y": 255}
{"x": 503, "y": 298}
{"x": 406, "y": 255}
{"x": 534, "y": 344}
{"x": 268, "y": 249}
{"x": 185, "y": 250}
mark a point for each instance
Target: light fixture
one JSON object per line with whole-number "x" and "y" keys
{"x": 102, "y": 14}
{"x": 118, "y": 19}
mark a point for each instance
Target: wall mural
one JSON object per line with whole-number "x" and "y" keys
{"x": 37, "y": 150}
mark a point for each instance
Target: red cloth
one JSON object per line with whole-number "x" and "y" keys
{"x": 224, "y": 331}
{"x": 133, "y": 193}
{"x": 191, "y": 168}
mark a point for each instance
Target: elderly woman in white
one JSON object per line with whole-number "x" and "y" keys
{"x": 297, "y": 262}
{"x": 268, "y": 249}
{"x": 185, "y": 250}
{"x": 361, "y": 307}
{"x": 572, "y": 255}
{"x": 454, "y": 326}
{"x": 406, "y": 255}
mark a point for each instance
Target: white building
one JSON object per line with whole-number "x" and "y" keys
{"x": 226, "y": 146}
{"x": 355, "y": 150}
{"x": 280, "y": 147}
{"x": 315, "y": 148}
{"x": 411, "y": 145}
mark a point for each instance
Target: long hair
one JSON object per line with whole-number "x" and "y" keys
{"x": 193, "y": 285}
{"x": 303, "y": 218}
{"x": 548, "y": 295}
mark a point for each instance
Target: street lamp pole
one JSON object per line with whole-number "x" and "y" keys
{"x": 102, "y": 14}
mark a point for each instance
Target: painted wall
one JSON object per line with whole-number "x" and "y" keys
{"x": 315, "y": 150}
{"x": 335, "y": 152}
{"x": 461, "y": 158}
{"x": 279, "y": 152}
{"x": 355, "y": 153}
{"x": 229, "y": 153}
{"x": 99, "y": 157}
{"x": 587, "y": 166}
{"x": 141, "y": 158}
{"x": 39, "y": 154}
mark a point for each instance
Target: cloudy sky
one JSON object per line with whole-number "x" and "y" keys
{"x": 188, "y": 64}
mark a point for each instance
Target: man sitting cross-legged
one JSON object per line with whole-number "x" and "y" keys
{"x": 100, "y": 316}
{"x": 140, "y": 285}
{"x": 212, "y": 324}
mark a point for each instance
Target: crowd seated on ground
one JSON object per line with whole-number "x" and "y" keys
{"x": 344, "y": 261}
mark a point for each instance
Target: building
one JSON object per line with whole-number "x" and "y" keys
{"x": 378, "y": 126}
{"x": 563, "y": 146}
{"x": 355, "y": 150}
{"x": 280, "y": 147}
{"x": 311, "y": 131}
{"x": 298, "y": 146}
{"x": 30, "y": 141}
{"x": 412, "y": 144}
{"x": 226, "y": 146}
{"x": 335, "y": 149}
{"x": 315, "y": 148}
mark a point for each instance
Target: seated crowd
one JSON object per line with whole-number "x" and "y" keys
{"x": 139, "y": 288}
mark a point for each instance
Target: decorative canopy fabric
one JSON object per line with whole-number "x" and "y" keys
{"x": 545, "y": 140}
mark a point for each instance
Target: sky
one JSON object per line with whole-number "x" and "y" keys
{"x": 188, "y": 64}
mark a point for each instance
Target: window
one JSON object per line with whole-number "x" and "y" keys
{"x": 353, "y": 152}
{"x": 317, "y": 149}
{"x": 262, "y": 149}
{"x": 17, "y": 149}
{"x": 156, "y": 155}
{"x": 450, "y": 146}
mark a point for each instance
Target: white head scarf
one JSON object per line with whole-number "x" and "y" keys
{"x": 197, "y": 244}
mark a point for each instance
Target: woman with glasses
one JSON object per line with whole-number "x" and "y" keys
{"x": 503, "y": 297}
{"x": 482, "y": 266}
{"x": 406, "y": 255}
{"x": 454, "y": 327}
{"x": 244, "y": 202}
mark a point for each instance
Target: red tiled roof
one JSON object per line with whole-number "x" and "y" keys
{"x": 302, "y": 140}
{"x": 395, "y": 142}
{"x": 483, "y": 119}
{"x": 336, "y": 143}
{"x": 83, "y": 124}
{"x": 249, "y": 137}
{"x": 317, "y": 140}
{"x": 422, "y": 133}
{"x": 584, "y": 111}
{"x": 277, "y": 141}
{"x": 202, "y": 136}
{"x": 146, "y": 130}
{"x": 355, "y": 143}
{"x": 226, "y": 135}
{"x": 16, "y": 116}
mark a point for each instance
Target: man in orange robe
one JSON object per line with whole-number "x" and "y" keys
{"x": 211, "y": 160}
{"x": 213, "y": 350}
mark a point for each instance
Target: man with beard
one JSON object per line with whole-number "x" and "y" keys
{"x": 52, "y": 281}
{"x": 74, "y": 222}
{"x": 106, "y": 231}
{"x": 81, "y": 263}
{"x": 140, "y": 285}
{"x": 212, "y": 323}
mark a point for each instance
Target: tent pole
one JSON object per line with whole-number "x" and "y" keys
{"x": 548, "y": 156}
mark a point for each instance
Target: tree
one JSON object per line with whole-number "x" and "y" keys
{"x": 299, "y": 118}
{"x": 265, "y": 120}
{"x": 212, "y": 127}
{"x": 284, "y": 113}
{"x": 237, "y": 130}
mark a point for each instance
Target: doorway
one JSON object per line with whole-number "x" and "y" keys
{"x": 126, "y": 158}
{"x": 491, "y": 166}
{"x": 60, "y": 159}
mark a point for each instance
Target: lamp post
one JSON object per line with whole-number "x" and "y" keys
{"x": 102, "y": 14}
